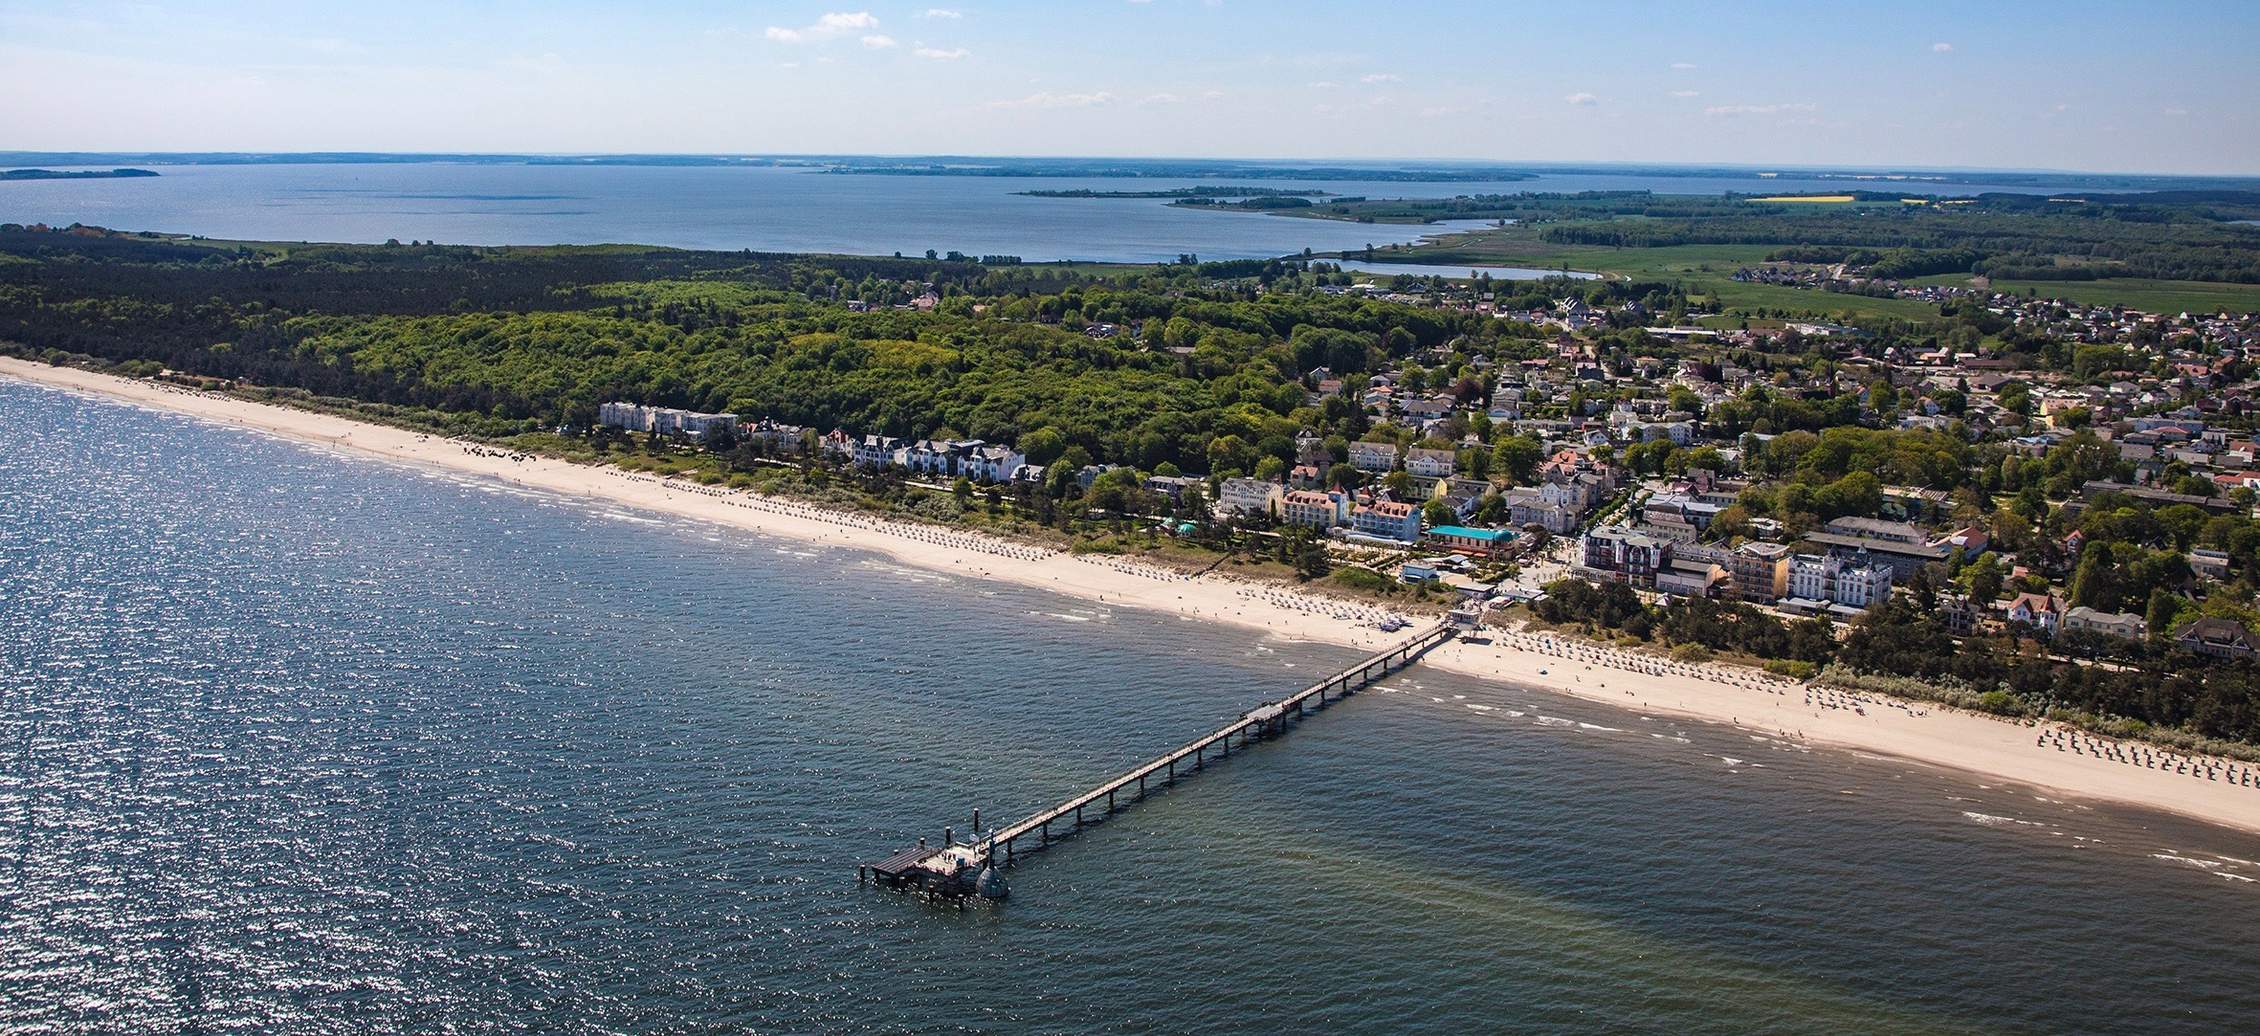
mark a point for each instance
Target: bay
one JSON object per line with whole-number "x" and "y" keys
{"x": 772, "y": 209}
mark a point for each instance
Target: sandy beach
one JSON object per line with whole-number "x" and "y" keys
{"x": 2044, "y": 758}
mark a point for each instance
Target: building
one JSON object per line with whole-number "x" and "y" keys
{"x": 875, "y": 451}
{"x": 2042, "y": 612}
{"x": 1174, "y": 487}
{"x": 1248, "y": 496}
{"x": 1689, "y": 577}
{"x": 930, "y": 457}
{"x": 1876, "y": 529}
{"x": 1852, "y": 581}
{"x": 1686, "y": 509}
{"x": 1377, "y": 457}
{"x": 778, "y": 439}
{"x": 1904, "y": 556}
{"x": 1618, "y": 554}
{"x": 1759, "y": 571}
{"x": 2209, "y": 564}
{"x": 1527, "y": 507}
{"x": 2219, "y": 638}
{"x": 1389, "y": 520}
{"x": 2084, "y": 619}
{"x": 1313, "y": 508}
{"x": 662, "y": 420}
{"x": 1430, "y": 464}
{"x": 990, "y": 463}
{"x": 1463, "y": 540}
{"x": 1957, "y": 613}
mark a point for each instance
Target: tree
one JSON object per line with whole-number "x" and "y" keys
{"x": 1229, "y": 453}
{"x": 1043, "y": 445}
{"x": 1437, "y": 512}
{"x": 1984, "y": 580}
{"x": 1517, "y": 457}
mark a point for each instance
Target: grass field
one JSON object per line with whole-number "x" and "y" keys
{"x": 2155, "y": 296}
{"x": 1705, "y": 270}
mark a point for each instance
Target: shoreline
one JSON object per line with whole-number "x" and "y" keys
{"x": 1984, "y": 747}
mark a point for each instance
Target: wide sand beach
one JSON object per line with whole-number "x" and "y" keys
{"x": 1987, "y": 748}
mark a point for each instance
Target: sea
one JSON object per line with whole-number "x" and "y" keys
{"x": 297, "y": 741}
{"x": 776, "y": 208}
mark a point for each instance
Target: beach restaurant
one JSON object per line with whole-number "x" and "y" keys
{"x": 1462, "y": 540}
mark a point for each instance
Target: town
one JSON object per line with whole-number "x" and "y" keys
{"x": 1679, "y": 461}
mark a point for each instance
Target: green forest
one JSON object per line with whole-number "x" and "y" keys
{"x": 528, "y": 338}
{"x": 2189, "y": 236}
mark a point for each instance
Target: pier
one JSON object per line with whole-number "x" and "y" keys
{"x": 958, "y": 867}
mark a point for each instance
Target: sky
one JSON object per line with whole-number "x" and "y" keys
{"x": 2168, "y": 86}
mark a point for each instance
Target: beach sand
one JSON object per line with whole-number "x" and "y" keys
{"x": 1986, "y": 747}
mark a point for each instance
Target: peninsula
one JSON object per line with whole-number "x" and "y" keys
{"x": 73, "y": 174}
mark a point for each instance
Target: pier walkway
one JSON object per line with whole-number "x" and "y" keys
{"x": 944, "y": 867}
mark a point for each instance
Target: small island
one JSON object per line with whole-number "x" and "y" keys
{"x": 1180, "y": 193}
{"x": 72, "y": 174}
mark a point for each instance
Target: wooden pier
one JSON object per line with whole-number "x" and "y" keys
{"x": 948, "y": 867}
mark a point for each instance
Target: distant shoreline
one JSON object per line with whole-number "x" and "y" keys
{"x": 1982, "y": 746}
{"x": 74, "y": 174}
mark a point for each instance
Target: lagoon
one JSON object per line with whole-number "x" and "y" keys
{"x": 763, "y": 208}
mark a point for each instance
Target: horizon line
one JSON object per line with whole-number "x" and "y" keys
{"x": 29, "y": 154}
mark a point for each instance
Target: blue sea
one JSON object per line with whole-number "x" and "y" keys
{"x": 296, "y": 741}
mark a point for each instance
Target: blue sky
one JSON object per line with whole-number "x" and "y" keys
{"x": 2166, "y": 86}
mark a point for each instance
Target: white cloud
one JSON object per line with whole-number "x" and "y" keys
{"x": 878, "y": 41}
{"x": 847, "y": 22}
{"x": 943, "y": 12}
{"x": 1942, "y": 48}
{"x": 1324, "y": 84}
{"x": 1047, "y": 99}
{"x": 2175, "y": 112}
{"x": 832, "y": 24}
{"x": 938, "y": 54}
{"x": 1381, "y": 77}
{"x": 1582, "y": 99}
{"x": 1161, "y": 98}
{"x": 1760, "y": 109}
{"x": 1685, "y": 93}
{"x": 1682, "y": 66}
